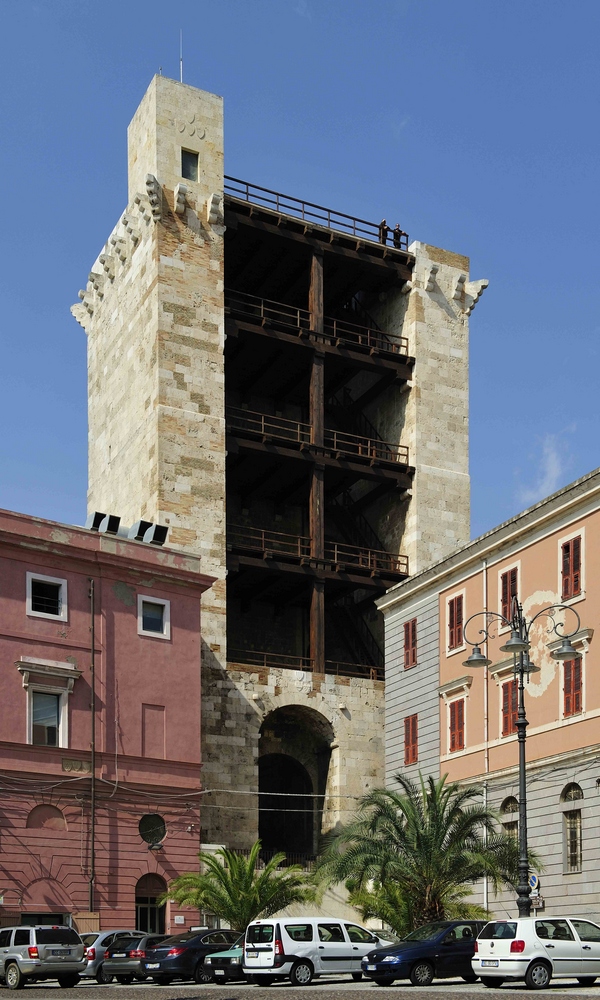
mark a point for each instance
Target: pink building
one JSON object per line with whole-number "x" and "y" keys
{"x": 98, "y": 812}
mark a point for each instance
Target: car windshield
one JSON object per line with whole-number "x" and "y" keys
{"x": 57, "y": 935}
{"x": 259, "y": 933}
{"x": 499, "y": 929}
{"x": 123, "y": 943}
{"x": 181, "y": 939}
{"x": 428, "y": 932}
{"x": 240, "y": 942}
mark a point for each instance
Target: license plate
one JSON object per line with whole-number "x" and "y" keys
{"x": 118, "y": 954}
{"x": 61, "y": 951}
{"x": 219, "y": 972}
{"x": 153, "y": 965}
{"x": 251, "y": 954}
{"x": 371, "y": 968}
{"x": 489, "y": 963}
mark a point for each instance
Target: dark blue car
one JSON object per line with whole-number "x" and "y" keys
{"x": 442, "y": 950}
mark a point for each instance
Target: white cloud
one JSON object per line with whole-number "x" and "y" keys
{"x": 551, "y": 469}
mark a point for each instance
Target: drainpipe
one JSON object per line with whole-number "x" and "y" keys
{"x": 486, "y": 763}
{"x": 92, "y": 875}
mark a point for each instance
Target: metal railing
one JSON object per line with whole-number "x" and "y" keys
{"x": 307, "y": 211}
{"x": 262, "y": 540}
{"x": 296, "y": 432}
{"x": 299, "y": 547}
{"x": 336, "y": 331}
{"x": 264, "y": 660}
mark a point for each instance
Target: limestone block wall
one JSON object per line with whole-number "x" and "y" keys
{"x": 430, "y": 415}
{"x": 239, "y": 701}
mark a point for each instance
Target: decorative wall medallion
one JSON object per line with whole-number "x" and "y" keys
{"x": 191, "y": 126}
{"x": 81, "y": 766}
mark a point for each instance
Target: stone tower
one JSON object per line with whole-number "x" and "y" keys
{"x": 250, "y": 351}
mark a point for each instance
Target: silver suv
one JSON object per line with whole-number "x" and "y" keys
{"x": 96, "y": 945}
{"x": 28, "y": 954}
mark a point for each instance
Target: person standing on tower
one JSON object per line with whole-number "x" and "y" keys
{"x": 383, "y": 231}
{"x": 397, "y": 236}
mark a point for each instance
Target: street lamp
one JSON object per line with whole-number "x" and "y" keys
{"x": 518, "y": 644}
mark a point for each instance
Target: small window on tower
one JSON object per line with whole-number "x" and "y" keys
{"x": 189, "y": 165}
{"x": 154, "y": 617}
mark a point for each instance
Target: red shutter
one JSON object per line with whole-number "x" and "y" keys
{"x": 576, "y": 566}
{"x": 406, "y": 645}
{"x": 459, "y": 620}
{"x": 451, "y": 625}
{"x": 413, "y": 637}
{"x": 410, "y": 739}
{"x": 452, "y": 726}
{"x": 505, "y": 596}
{"x": 506, "y": 709}
{"x": 457, "y": 725}
{"x": 568, "y": 688}
{"x": 566, "y": 570}
{"x": 572, "y": 687}
{"x": 577, "y": 685}
{"x": 455, "y": 622}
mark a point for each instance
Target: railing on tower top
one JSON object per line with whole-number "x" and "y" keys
{"x": 336, "y": 331}
{"x": 262, "y": 660}
{"x": 336, "y": 554}
{"x": 266, "y": 426}
{"x": 313, "y": 214}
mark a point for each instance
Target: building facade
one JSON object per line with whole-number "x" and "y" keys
{"x": 444, "y": 718}
{"x": 100, "y": 807}
{"x": 289, "y": 394}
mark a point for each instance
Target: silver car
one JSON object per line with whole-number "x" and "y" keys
{"x": 97, "y": 944}
{"x": 38, "y": 953}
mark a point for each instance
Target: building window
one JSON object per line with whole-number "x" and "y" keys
{"x": 189, "y": 165}
{"x": 572, "y": 687}
{"x": 411, "y": 746}
{"x": 153, "y": 828}
{"x": 410, "y": 643}
{"x": 457, "y": 725}
{"x": 46, "y": 597}
{"x": 510, "y": 808}
{"x": 455, "y": 622}
{"x": 154, "y": 617}
{"x": 571, "y": 568}
{"x": 508, "y": 587}
{"x": 45, "y": 719}
{"x": 572, "y": 828}
{"x": 510, "y": 703}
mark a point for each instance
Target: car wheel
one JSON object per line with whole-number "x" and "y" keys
{"x": 14, "y": 977}
{"x": 470, "y": 979}
{"x": 201, "y": 974}
{"x": 357, "y": 976}
{"x": 383, "y": 980}
{"x": 301, "y": 974}
{"x": 67, "y": 981}
{"x": 103, "y": 978}
{"x": 538, "y": 976}
{"x": 586, "y": 980}
{"x": 125, "y": 980}
{"x": 421, "y": 974}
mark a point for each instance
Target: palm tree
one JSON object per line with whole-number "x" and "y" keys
{"x": 233, "y": 887}
{"x": 411, "y": 857}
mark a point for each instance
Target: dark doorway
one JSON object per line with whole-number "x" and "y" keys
{"x": 285, "y": 820}
{"x": 149, "y": 916}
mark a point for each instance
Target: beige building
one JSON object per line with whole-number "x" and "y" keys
{"x": 444, "y": 718}
{"x": 286, "y": 388}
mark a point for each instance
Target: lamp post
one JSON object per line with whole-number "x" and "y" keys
{"x": 518, "y": 645}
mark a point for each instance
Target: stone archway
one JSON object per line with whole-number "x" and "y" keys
{"x": 293, "y": 767}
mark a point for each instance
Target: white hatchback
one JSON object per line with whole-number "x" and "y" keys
{"x": 536, "y": 949}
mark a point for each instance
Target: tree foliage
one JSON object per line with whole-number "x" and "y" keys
{"x": 411, "y": 856}
{"x": 238, "y": 889}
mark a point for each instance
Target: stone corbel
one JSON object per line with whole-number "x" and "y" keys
{"x": 84, "y": 295}
{"x": 154, "y": 193}
{"x": 120, "y": 246}
{"x": 431, "y": 278}
{"x": 97, "y": 282}
{"x": 141, "y": 201}
{"x": 474, "y": 290}
{"x": 50, "y": 669}
{"x": 131, "y": 230}
{"x": 459, "y": 288}
{"x": 79, "y": 313}
{"x": 214, "y": 210}
{"x": 108, "y": 263}
{"x": 407, "y": 288}
{"x": 460, "y": 685}
{"x": 180, "y": 197}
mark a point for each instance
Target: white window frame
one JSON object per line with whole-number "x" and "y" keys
{"x": 561, "y": 541}
{"x": 166, "y": 605}
{"x": 454, "y": 691}
{"x": 54, "y": 670}
{"x": 64, "y": 607}
{"x": 506, "y": 569}
{"x": 63, "y": 714}
{"x": 450, "y": 597}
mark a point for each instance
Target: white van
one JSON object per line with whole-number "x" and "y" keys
{"x": 304, "y": 948}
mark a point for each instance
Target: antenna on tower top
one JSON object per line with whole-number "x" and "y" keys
{"x": 180, "y": 55}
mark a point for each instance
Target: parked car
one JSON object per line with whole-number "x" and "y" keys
{"x": 304, "y": 948}
{"x": 182, "y": 956}
{"x": 96, "y": 944}
{"x": 441, "y": 950}
{"x": 40, "y": 953}
{"x": 123, "y": 960}
{"x": 536, "y": 949}
{"x": 225, "y": 966}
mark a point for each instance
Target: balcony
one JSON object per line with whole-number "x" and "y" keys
{"x": 265, "y": 661}
{"x": 337, "y": 333}
{"x": 337, "y": 444}
{"x": 337, "y": 556}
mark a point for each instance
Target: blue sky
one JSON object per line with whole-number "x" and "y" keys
{"x": 472, "y": 123}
